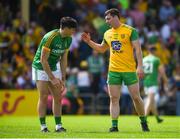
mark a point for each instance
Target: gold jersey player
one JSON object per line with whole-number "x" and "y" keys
{"x": 121, "y": 39}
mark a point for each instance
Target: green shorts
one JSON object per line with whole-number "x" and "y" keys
{"x": 116, "y": 78}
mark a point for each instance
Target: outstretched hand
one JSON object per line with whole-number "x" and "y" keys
{"x": 85, "y": 37}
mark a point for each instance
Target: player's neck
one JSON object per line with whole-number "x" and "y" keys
{"x": 117, "y": 25}
{"x": 62, "y": 33}
{"x": 152, "y": 54}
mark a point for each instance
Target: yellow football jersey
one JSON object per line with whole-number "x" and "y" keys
{"x": 121, "y": 50}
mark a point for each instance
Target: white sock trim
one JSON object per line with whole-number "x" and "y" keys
{"x": 43, "y": 126}
{"x": 58, "y": 126}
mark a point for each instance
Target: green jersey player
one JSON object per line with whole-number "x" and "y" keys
{"x": 49, "y": 75}
{"x": 152, "y": 69}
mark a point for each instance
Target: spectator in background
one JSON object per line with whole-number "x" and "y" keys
{"x": 165, "y": 32}
{"x": 176, "y": 87}
{"x": 83, "y": 78}
{"x": 104, "y": 95}
{"x": 73, "y": 57}
{"x": 137, "y": 16}
{"x": 173, "y": 23}
{"x": 52, "y": 49}
{"x": 153, "y": 34}
{"x": 99, "y": 7}
{"x": 73, "y": 93}
{"x": 76, "y": 103}
{"x": 166, "y": 10}
{"x": 95, "y": 67}
{"x": 142, "y": 5}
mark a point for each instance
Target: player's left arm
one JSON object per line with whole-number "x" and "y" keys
{"x": 63, "y": 64}
{"x": 162, "y": 73}
{"x": 137, "y": 46}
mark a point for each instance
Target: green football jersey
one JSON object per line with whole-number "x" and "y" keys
{"x": 57, "y": 46}
{"x": 150, "y": 66}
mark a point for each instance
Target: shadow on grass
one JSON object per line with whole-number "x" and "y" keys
{"x": 123, "y": 132}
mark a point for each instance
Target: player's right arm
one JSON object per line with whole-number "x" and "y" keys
{"x": 45, "y": 52}
{"x": 162, "y": 73}
{"x": 98, "y": 47}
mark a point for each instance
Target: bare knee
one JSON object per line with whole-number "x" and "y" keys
{"x": 56, "y": 100}
{"x": 43, "y": 98}
{"x": 151, "y": 98}
{"x": 114, "y": 100}
{"x": 57, "y": 97}
{"x": 136, "y": 98}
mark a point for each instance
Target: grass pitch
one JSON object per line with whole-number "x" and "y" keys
{"x": 89, "y": 127}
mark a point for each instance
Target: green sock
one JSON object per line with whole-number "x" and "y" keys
{"x": 42, "y": 120}
{"x": 157, "y": 117}
{"x": 58, "y": 120}
{"x": 143, "y": 119}
{"x": 114, "y": 122}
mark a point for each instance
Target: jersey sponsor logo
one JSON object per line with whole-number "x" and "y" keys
{"x": 57, "y": 51}
{"x": 58, "y": 45}
{"x": 116, "y": 45}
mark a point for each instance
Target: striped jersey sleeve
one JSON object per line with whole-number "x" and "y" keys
{"x": 47, "y": 40}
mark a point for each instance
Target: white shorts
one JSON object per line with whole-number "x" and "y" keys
{"x": 42, "y": 75}
{"x": 152, "y": 89}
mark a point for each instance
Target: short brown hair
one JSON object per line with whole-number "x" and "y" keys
{"x": 68, "y": 22}
{"x": 113, "y": 12}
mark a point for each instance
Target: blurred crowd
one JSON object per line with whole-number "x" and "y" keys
{"x": 156, "y": 21}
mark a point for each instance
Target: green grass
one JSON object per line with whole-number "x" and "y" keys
{"x": 89, "y": 127}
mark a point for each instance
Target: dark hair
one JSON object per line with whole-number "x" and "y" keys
{"x": 113, "y": 12}
{"x": 152, "y": 49}
{"x": 68, "y": 22}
